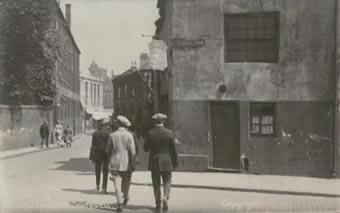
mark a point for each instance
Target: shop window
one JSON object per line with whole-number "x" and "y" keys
{"x": 252, "y": 37}
{"x": 262, "y": 119}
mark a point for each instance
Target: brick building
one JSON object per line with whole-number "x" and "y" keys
{"x": 254, "y": 82}
{"x": 133, "y": 97}
{"x": 68, "y": 107}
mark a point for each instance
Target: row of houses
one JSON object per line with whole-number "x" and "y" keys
{"x": 250, "y": 85}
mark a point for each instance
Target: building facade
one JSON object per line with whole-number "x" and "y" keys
{"x": 133, "y": 97}
{"x": 252, "y": 84}
{"x": 67, "y": 105}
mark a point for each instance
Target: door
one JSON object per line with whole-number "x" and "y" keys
{"x": 225, "y": 127}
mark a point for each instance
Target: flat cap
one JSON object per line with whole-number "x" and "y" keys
{"x": 123, "y": 120}
{"x": 159, "y": 116}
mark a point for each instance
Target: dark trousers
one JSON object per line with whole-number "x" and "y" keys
{"x": 102, "y": 165}
{"x": 46, "y": 141}
{"x": 156, "y": 183}
{"x": 126, "y": 182}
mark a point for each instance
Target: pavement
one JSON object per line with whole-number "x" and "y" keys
{"x": 62, "y": 180}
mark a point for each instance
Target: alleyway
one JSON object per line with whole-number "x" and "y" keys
{"x": 62, "y": 180}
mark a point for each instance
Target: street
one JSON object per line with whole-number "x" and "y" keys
{"x": 62, "y": 180}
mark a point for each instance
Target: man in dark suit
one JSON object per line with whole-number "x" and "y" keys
{"x": 160, "y": 141}
{"x": 98, "y": 155}
{"x": 44, "y": 133}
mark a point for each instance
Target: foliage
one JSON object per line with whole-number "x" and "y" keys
{"x": 30, "y": 45}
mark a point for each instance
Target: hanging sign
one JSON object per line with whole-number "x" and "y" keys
{"x": 185, "y": 44}
{"x": 158, "y": 55}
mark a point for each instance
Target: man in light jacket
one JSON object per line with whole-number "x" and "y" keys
{"x": 120, "y": 145}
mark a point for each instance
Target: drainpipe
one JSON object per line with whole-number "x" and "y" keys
{"x": 336, "y": 87}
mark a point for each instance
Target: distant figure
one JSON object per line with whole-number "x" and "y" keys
{"x": 126, "y": 182}
{"x": 160, "y": 141}
{"x": 58, "y": 133}
{"x": 119, "y": 148}
{"x": 98, "y": 155}
{"x": 68, "y": 134}
{"x": 44, "y": 133}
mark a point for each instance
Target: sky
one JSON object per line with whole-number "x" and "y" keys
{"x": 109, "y": 32}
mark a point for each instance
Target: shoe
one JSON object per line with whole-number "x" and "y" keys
{"x": 165, "y": 206}
{"x": 98, "y": 188}
{"x": 104, "y": 191}
{"x": 158, "y": 207}
{"x": 126, "y": 200}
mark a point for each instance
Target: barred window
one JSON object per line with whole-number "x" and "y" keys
{"x": 251, "y": 37}
{"x": 262, "y": 119}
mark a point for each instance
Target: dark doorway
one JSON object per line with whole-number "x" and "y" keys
{"x": 225, "y": 127}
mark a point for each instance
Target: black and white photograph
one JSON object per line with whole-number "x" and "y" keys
{"x": 152, "y": 106}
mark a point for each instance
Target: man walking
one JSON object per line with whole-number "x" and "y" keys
{"x": 44, "y": 133}
{"x": 126, "y": 181}
{"x": 98, "y": 155}
{"x": 119, "y": 146}
{"x": 160, "y": 141}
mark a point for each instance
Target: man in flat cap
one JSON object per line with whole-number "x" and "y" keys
{"x": 98, "y": 155}
{"x": 119, "y": 147}
{"x": 160, "y": 142}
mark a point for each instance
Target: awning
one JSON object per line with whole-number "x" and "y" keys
{"x": 98, "y": 115}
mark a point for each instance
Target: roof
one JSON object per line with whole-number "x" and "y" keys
{"x": 61, "y": 15}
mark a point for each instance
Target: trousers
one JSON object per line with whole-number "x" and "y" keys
{"x": 156, "y": 183}
{"x": 117, "y": 177}
{"x": 102, "y": 165}
{"x": 126, "y": 182}
{"x": 46, "y": 141}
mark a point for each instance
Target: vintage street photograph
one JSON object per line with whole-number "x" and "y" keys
{"x": 152, "y": 106}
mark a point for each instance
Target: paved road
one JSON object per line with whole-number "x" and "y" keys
{"x": 62, "y": 180}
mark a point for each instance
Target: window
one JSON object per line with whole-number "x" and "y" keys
{"x": 262, "y": 119}
{"x": 251, "y": 37}
{"x": 133, "y": 92}
{"x": 86, "y": 93}
{"x": 118, "y": 92}
{"x": 125, "y": 91}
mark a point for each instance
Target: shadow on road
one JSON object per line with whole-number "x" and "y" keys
{"x": 264, "y": 191}
{"x": 87, "y": 191}
{"x": 76, "y": 164}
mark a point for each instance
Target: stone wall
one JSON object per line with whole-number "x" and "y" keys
{"x": 20, "y": 125}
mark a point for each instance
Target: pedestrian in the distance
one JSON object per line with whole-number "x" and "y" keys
{"x": 58, "y": 133}
{"x": 44, "y": 134}
{"x": 68, "y": 134}
{"x": 98, "y": 155}
{"x": 119, "y": 148}
{"x": 160, "y": 142}
{"x": 133, "y": 161}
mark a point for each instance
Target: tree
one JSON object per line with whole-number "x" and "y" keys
{"x": 31, "y": 48}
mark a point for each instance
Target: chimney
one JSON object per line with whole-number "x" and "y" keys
{"x": 144, "y": 61}
{"x": 68, "y": 15}
{"x": 133, "y": 66}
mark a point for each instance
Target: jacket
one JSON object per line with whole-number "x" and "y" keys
{"x": 160, "y": 142}
{"x": 44, "y": 131}
{"x": 120, "y": 147}
{"x": 99, "y": 139}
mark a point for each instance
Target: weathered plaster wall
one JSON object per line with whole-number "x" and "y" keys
{"x": 302, "y": 144}
{"x": 303, "y": 71}
{"x": 20, "y": 125}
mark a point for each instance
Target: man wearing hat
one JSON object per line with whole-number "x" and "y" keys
{"x": 98, "y": 155}
{"x": 160, "y": 142}
{"x": 119, "y": 148}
